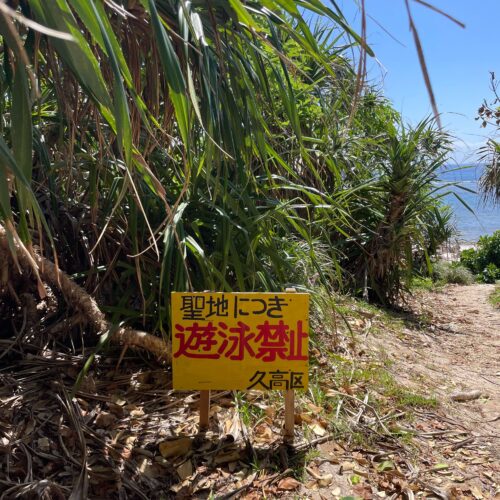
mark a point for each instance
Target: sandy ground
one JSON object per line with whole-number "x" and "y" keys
{"x": 457, "y": 352}
{"x": 460, "y": 352}
{"x": 449, "y": 344}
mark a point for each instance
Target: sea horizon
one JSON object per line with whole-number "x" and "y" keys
{"x": 485, "y": 219}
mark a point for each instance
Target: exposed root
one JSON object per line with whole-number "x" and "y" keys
{"x": 78, "y": 298}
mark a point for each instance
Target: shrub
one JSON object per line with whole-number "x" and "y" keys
{"x": 485, "y": 259}
{"x": 490, "y": 274}
{"x": 468, "y": 258}
{"x": 495, "y": 297}
{"x": 452, "y": 272}
{"x": 487, "y": 252}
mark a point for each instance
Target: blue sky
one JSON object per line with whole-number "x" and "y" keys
{"x": 459, "y": 61}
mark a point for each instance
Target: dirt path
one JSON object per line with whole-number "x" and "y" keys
{"x": 455, "y": 349}
{"x": 460, "y": 352}
{"x": 449, "y": 344}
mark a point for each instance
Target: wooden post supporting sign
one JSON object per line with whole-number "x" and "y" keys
{"x": 204, "y": 410}
{"x": 289, "y": 415}
{"x": 289, "y": 403}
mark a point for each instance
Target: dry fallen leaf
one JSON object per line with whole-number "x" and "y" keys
{"x": 318, "y": 429}
{"x": 227, "y": 456}
{"x": 185, "y": 470}
{"x": 30, "y": 427}
{"x": 232, "y": 427}
{"x": 105, "y": 419}
{"x": 315, "y": 409}
{"x": 476, "y": 492}
{"x": 288, "y": 484}
{"x": 115, "y": 409}
{"x": 263, "y": 434}
{"x": 88, "y": 384}
{"x": 135, "y": 411}
{"x": 270, "y": 412}
{"x": 347, "y": 466}
{"x": 478, "y": 461}
{"x": 117, "y": 400}
{"x": 303, "y": 417}
{"x": 44, "y": 444}
{"x": 360, "y": 458}
{"x": 363, "y": 491}
{"x": 175, "y": 448}
{"x": 326, "y": 480}
{"x": 253, "y": 495}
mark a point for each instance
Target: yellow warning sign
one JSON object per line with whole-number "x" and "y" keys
{"x": 241, "y": 341}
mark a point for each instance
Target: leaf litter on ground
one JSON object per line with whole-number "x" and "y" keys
{"x": 126, "y": 433}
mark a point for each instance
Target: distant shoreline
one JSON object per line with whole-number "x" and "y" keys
{"x": 485, "y": 215}
{"x": 451, "y": 251}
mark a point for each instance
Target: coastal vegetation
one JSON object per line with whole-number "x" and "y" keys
{"x": 444, "y": 272}
{"x": 484, "y": 259}
{"x": 480, "y": 263}
{"x": 495, "y": 297}
{"x": 238, "y": 149}
{"x": 489, "y": 114}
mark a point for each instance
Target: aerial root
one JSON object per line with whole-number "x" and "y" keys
{"x": 79, "y": 299}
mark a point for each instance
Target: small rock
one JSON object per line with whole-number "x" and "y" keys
{"x": 326, "y": 480}
{"x": 337, "y": 491}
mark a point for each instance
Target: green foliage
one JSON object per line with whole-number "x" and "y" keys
{"x": 452, "y": 272}
{"x": 489, "y": 114}
{"x": 490, "y": 274}
{"x": 484, "y": 260}
{"x": 422, "y": 283}
{"x": 468, "y": 258}
{"x": 488, "y": 249}
{"x": 401, "y": 217}
{"x": 407, "y": 399}
{"x": 191, "y": 146}
{"x": 173, "y": 147}
{"x": 439, "y": 227}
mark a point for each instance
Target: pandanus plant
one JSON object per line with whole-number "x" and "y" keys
{"x": 489, "y": 154}
{"x": 135, "y": 144}
{"x": 405, "y": 195}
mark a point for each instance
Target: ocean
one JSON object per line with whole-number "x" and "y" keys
{"x": 486, "y": 217}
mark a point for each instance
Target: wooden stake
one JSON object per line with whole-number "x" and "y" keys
{"x": 289, "y": 403}
{"x": 289, "y": 415}
{"x": 204, "y": 409}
